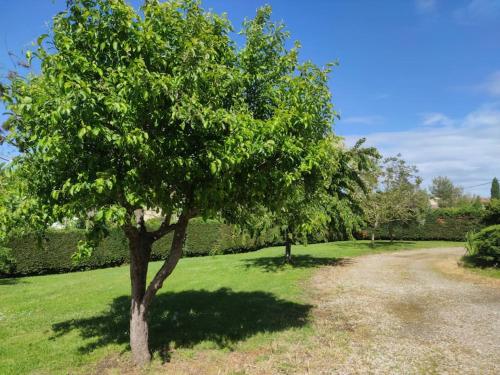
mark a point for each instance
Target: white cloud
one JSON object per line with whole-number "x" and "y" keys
{"x": 425, "y": 6}
{"x": 478, "y": 11}
{"x": 492, "y": 84}
{"x": 362, "y": 120}
{"x": 467, "y": 151}
{"x": 436, "y": 118}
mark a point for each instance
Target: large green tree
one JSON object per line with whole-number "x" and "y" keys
{"x": 495, "y": 189}
{"x": 159, "y": 108}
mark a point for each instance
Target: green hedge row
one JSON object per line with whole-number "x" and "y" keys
{"x": 449, "y": 224}
{"x": 32, "y": 256}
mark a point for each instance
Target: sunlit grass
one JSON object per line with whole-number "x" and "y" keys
{"x": 55, "y": 323}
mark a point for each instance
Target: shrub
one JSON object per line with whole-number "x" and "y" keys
{"x": 492, "y": 213}
{"x": 449, "y": 224}
{"x": 486, "y": 247}
{"x": 7, "y": 261}
{"x": 32, "y": 255}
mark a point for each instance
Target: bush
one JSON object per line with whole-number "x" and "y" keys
{"x": 7, "y": 261}
{"x": 484, "y": 249}
{"x": 33, "y": 256}
{"x": 449, "y": 224}
{"x": 492, "y": 213}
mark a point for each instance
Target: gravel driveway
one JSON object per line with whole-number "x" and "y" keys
{"x": 408, "y": 312}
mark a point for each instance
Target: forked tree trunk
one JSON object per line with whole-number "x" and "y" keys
{"x": 140, "y": 243}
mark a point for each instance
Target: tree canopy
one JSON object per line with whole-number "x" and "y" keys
{"x": 446, "y": 192}
{"x": 159, "y": 108}
{"x": 396, "y": 196}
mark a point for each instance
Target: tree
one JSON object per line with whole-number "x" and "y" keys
{"x": 325, "y": 203}
{"x": 448, "y": 195}
{"x": 495, "y": 189}
{"x": 159, "y": 109}
{"x": 396, "y": 196}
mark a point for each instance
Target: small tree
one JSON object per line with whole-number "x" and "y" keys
{"x": 159, "y": 109}
{"x": 330, "y": 201}
{"x": 446, "y": 192}
{"x": 396, "y": 198}
{"x": 495, "y": 189}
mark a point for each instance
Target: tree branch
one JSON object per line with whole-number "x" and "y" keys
{"x": 165, "y": 228}
{"x": 173, "y": 257}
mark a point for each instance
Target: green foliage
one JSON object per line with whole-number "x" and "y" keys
{"x": 491, "y": 214}
{"x": 30, "y": 254}
{"x": 451, "y": 224}
{"x": 495, "y": 189}
{"x": 446, "y": 192}
{"x": 160, "y": 109}
{"x": 7, "y": 261}
{"x": 486, "y": 244}
{"x": 395, "y": 198}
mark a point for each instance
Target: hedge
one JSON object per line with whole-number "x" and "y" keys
{"x": 32, "y": 256}
{"x": 448, "y": 224}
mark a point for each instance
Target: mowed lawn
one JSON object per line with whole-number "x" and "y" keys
{"x": 64, "y": 323}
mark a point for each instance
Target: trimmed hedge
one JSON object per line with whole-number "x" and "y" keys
{"x": 448, "y": 224}
{"x": 32, "y": 256}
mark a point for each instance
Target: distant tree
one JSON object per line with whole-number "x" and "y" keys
{"x": 160, "y": 109}
{"x": 495, "y": 189}
{"x": 446, "y": 192}
{"x": 396, "y": 197}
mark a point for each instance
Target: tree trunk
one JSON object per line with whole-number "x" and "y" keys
{"x": 288, "y": 250}
{"x": 140, "y": 242}
{"x": 140, "y": 251}
{"x": 373, "y": 238}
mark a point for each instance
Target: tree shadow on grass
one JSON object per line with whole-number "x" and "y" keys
{"x": 274, "y": 264}
{"x": 12, "y": 281}
{"x": 185, "y": 319}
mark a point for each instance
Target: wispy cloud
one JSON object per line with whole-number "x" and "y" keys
{"x": 362, "y": 120}
{"x": 381, "y": 96}
{"x": 478, "y": 11}
{"x": 491, "y": 85}
{"x": 436, "y": 119}
{"x": 466, "y": 151}
{"x": 425, "y": 6}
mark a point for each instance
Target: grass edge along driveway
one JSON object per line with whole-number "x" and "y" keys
{"x": 56, "y": 323}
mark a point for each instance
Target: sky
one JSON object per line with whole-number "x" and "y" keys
{"x": 420, "y": 78}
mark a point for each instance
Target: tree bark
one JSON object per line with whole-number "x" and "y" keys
{"x": 140, "y": 250}
{"x": 288, "y": 250}
{"x": 373, "y": 238}
{"x": 140, "y": 242}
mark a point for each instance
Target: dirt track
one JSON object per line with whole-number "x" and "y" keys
{"x": 410, "y": 312}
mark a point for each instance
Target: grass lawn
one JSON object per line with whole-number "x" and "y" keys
{"x": 61, "y": 323}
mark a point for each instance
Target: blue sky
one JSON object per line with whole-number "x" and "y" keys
{"x": 416, "y": 77}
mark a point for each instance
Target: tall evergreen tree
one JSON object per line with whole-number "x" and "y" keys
{"x": 495, "y": 189}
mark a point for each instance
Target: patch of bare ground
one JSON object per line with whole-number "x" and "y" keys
{"x": 411, "y": 312}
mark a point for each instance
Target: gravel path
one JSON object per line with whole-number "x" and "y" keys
{"x": 409, "y": 312}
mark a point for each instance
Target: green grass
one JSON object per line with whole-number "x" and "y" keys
{"x": 483, "y": 271}
{"x": 59, "y": 323}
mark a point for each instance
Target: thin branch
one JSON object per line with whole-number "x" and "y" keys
{"x": 165, "y": 228}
